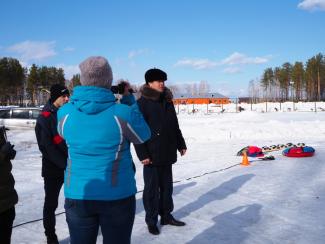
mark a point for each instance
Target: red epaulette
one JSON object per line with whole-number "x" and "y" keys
{"x": 57, "y": 139}
{"x": 46, "y": 114}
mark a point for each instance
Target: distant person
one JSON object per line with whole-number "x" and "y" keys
{"x": 8, "y": 194}
{"x": 54, "y": 157}
{"x": 127, "y": 99}
{"x": 240, "y": 108}
{"x": 127, "y": 95}
{"x": 99, "y": 181}
{"x": 160, "y": 152}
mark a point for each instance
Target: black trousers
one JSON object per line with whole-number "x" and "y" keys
{"x": 157, "y": 193}
{"x": 6, "y": 220}
{"x": 52, "y": 187}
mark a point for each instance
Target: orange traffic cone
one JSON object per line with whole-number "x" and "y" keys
{"x": 245, "y": 161}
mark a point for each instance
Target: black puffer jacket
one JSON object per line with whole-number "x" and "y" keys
{"x": 8, "y": 194}
{"x": 52, "y": 146}
{"x": 166, "y": 138}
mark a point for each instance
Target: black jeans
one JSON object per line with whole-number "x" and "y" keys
{"x": 157, "y": 193}
{"x": 52, "y": 187}
{"x": 115, "y": 218}
{"x": 6, "y": 220}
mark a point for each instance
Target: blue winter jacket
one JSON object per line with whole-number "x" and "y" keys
{"x": 98, "y": 133}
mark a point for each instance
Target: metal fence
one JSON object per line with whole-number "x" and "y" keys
{"x": 264, "y": 107}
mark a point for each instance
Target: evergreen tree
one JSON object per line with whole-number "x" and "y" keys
{"x": 33, "y": 81}
{"x": 297, "y": 77}
{"x": 277, "y": 78}
{"x": 75, "y": 81}
{"x": 302, "y": 82}
{"x": 267, "y": 82}
{"x": 60, "y": 76}
{"x": 11, "y": 80}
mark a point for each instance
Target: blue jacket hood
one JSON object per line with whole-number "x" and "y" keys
{"x": 92, "y": 99}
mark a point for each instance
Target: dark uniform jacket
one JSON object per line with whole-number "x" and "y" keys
{"x": 8, "y": 194}
{"x": 51, "y": 144}
{"x": 166, "y": 138}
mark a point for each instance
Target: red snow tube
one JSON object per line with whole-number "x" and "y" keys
{"x": 299, "y": 152}
{"x": 252, "y": 151}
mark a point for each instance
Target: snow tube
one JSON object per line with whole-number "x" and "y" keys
{"x": 252, "y": 151}
{"x": 298, "y": 152}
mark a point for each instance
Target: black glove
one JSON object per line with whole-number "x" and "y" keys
{"x": 8, "y": 150}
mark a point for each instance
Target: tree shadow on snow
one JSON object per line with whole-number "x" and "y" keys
{"x": 229, "y": 227}
{"x": 221, "y": 192}
{"x": 177, "y": 190}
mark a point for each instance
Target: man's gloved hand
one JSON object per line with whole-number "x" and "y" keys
{"x": 8, "y": 150}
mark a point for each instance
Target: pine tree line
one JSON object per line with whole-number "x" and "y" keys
{"x": 12, "y": 76}
{"x": 20, "y": 86}
{"x": 291, "y": 82}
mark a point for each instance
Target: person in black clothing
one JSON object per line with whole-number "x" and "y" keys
{"x": 54, "y": 156}
{"x": 8, "y": 194}
{"x": 160, "y": 152}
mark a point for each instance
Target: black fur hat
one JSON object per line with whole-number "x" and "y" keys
{"x": 154, "y": 75}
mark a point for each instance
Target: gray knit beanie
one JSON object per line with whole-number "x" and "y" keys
{"x": 96, "y": 71}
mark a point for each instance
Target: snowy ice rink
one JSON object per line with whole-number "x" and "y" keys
{"x": 280, "y": 201}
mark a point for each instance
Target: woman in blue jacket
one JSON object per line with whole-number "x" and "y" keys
{"x": 99, "y": 182}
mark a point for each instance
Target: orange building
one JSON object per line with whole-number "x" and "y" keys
{"x": 205, "y": 98}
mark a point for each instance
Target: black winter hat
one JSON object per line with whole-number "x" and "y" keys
{"x": 155, "y": 74}
{"x": 57, "y": 91}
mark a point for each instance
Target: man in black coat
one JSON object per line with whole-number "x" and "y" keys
{"x": 160, "y": 152}
{"x": 54, "y": 156}
{"x": 8, "y": 194}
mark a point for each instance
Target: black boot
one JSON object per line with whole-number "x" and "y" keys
{"x": 170, "y": 220}
{"x": 52, "y": 239}
{"x": 153, "y": 229}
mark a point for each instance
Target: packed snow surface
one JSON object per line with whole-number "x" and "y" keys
{"x": 280, "y": 201}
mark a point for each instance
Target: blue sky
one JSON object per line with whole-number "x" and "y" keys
{"x": 226, "y": 43}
